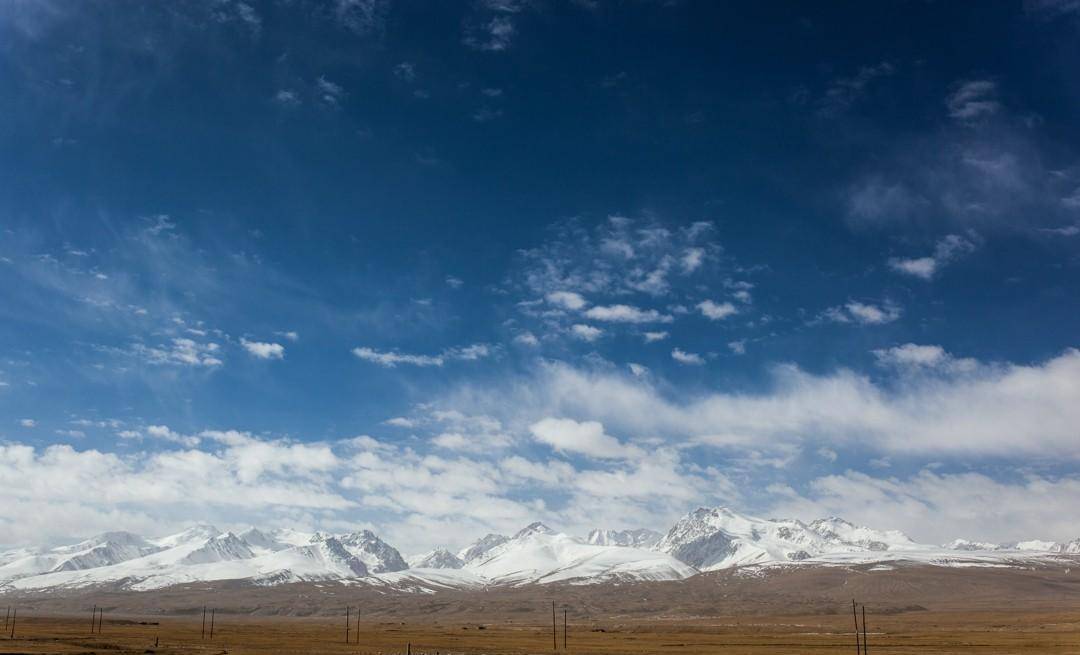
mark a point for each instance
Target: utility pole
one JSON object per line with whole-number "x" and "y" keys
{"x": 564, "y": 629}
{"x": 212, "y": 613}
{"x": 93, "y": 619}
{"x": 858, "y": 649}
{"x": 554, "y": 636}
{"x": 14, "y": 614}
{"x": 865, "y": 644}
{"x": 358, "y": 624}
{"x": 202, "y": 635}
{"x": 348, "y": 624}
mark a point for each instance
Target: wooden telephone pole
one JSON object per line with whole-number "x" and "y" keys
{"x": 564, "y": 629}
{"x": 865, "y": 645}
{"x": 554, "y": 633}
{"x": 854, "y": 613}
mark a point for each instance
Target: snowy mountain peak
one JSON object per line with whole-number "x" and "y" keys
{"x": 535, "y": 527}
{"x": 195, "y": 534}
{"x": 221, "y": 548}
{"x": 539, "y": 554}
{"x": 377, "y": 555}
{"x": 841, "y": 532}
{"x": 718, "y": 538}
{"x": 639, "y": 538}
{"x": 703, "y": 540}
{"x": 119, "y": 538}
{"x": 259, "y": 540}
{"x": 481, "y": 547}
{"x": 964, "y": 544}
{"x": 440, "y": 558}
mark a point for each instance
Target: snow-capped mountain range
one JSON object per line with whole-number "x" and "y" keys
{"x": 703, "y": 540}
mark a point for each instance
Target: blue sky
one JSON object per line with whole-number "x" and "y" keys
{"x": 446, "y": 268}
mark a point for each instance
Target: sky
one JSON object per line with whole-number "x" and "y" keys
{"x": 439, "y": 269}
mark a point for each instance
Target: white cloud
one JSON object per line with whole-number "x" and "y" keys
{"x": 586, "y": 332}
{"x": 391, "y": 359}
{"x": 400, "y": 422}
{"x": 619, "y": 257}
{"x": 1002, "y": 410}
{"x": 863, "y": 313}
{"x": 692, "y": 259}
{"x": 716, "y": 311}
{"x": 651, "y": 337}
{"x": 27, "y": 422}
{"x": 566, "y": 299}
{"x": 586, "y": 438}
{"x": 454, "y": 282}
{"x": 527, "y": 339}
{"x": 329, "y": 92}
{"x": 637, "y": 369}
{"x": 405, "y": 71}
{"x": 362, "y": 16}
{"x": 737, "y": 347}
{"x": 946, "y": 251}
{"x": 491, "y": 27}
{"x": 627, "y": 314}
{"x": 683, "y": 357}
{"x": 287, "y": 98}
{"x": 877, "y": 201}
{"x": 164, "y": 433}
{"x": 59, "y": 492}
{"x": 911, "y": 354}
{"x": 470, "y": 353}
{"x": 912, "y": 357}
{"x": 290, "y": 335}
{"x": 845, "y": 91}
{"x": 924, "y": 267}
{"x": 617, "y": 246}
{"x": 182, "y": 351}
{"x": 973, "y": 100}
{"x": 937, "y": 508}
{"x": 263, "y": 350}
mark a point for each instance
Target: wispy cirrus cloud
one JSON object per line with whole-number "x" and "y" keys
{"x": 985, "y": 169}
{"x": 973, "y": 100}
{"x": 862, "y": 313}
{"x": 947, "y": 250}
{"x": 394, "y": 358}
{"x": 844, "y": 92}
{"x": 626, "y": 314}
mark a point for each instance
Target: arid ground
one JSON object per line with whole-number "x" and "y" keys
{"x": 914, "y": 609}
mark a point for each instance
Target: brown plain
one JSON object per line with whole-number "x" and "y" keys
{"x": 911, "y": 609}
